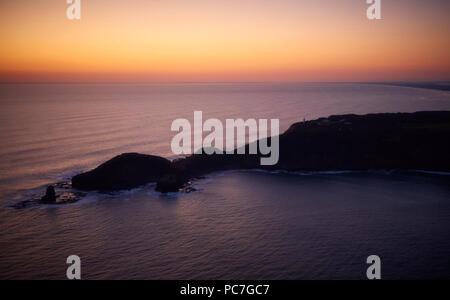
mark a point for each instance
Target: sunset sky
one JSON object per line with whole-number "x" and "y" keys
{"x": 224, "y": 40}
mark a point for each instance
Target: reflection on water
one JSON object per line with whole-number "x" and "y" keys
{"x": 238, "y": 225}
{"x": 242, "y": 225}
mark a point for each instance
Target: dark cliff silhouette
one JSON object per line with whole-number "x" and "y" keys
{"x": 123, "y": 172}
{"x": 416, "y": 141}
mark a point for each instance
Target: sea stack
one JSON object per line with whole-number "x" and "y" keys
{"x": 50, "y": 195}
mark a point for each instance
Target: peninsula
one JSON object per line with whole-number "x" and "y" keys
{"x": 406, "y": 141}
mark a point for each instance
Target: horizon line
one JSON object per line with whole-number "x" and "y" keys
{"x": 223, "y": 82}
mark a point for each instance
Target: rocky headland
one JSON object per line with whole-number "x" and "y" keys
{"x": 406, "y": 141}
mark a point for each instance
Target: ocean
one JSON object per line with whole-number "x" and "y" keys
{"x": 237, "y": 224}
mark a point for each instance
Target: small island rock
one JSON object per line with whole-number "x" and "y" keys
{"x": 50, "y": 195}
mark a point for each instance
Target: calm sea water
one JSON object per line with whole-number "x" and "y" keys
{"x": 238, "y": 225}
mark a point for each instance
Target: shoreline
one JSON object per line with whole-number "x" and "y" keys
{"x": 72, "y": 195}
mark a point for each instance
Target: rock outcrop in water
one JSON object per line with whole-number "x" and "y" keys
{"x": 50, "y": 196}
{"x": 57, "y": 194}
{"x": 417, "y": 141}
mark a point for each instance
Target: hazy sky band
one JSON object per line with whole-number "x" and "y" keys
{"x": 218, "y": 40}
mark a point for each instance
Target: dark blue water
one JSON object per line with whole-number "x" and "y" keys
{"x": 238, "y": 225}
{"x": 242, "y": 225}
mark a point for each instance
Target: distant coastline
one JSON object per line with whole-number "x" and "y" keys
{"x": 431, "y": 85}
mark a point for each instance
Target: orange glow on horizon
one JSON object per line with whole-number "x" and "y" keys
{"x": 200, "y": 40}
